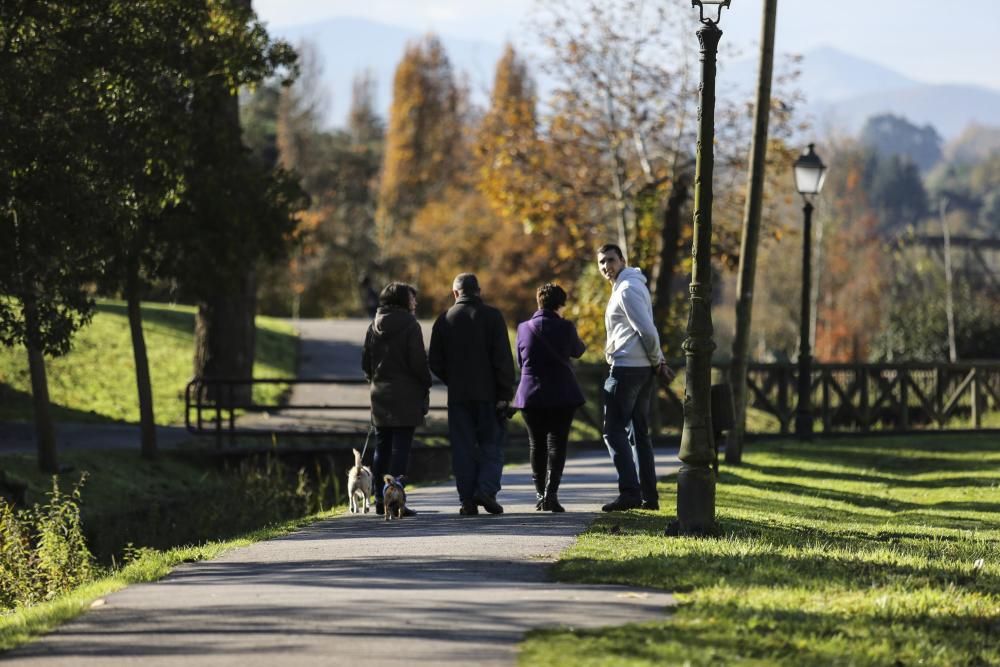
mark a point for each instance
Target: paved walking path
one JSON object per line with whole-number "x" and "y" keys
{"x": 331, "y": 348}
{"x": 436, "y": 589}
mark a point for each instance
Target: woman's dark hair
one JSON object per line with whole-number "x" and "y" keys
{"x": 397, "y": 294}
{"x": 551, "y": 297}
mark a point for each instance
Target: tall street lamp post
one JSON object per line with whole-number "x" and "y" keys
{"x": 696, "y": 478}
{"x": 810, "y": 172}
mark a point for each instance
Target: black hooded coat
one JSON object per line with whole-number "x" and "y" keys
{"x": 395, "y": 364}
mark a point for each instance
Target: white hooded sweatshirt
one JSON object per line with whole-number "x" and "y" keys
{"x": 632, "y": 336}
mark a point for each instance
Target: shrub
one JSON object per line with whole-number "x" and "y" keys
{"x": 42, "y": 549}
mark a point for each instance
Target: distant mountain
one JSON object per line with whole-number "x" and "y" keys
{"x": 827, "y": 75}
{"x": 350, "y": 45}
{"x": 949, "y": 108}
{"x": 841, "y": 91}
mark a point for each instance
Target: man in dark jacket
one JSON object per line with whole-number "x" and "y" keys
{"x": 470, "y": 352}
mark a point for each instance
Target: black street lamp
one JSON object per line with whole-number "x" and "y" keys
{"x": 696, "y": 478}
{"x": 810, "y": 172}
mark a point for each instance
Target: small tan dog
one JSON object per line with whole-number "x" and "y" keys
{"x": 394, "y": 497}
{"x": 359, "y": 484}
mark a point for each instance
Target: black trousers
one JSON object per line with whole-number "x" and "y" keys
{"x": 392, "y": 454}
{"x": 548, "y": 434}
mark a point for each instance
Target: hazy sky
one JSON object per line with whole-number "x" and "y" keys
{"x": 928, "y": 40}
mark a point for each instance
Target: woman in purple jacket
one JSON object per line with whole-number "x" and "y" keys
{"x": 548, "y": 393}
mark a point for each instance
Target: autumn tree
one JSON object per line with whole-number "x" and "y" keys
{"x": 422, "y": 137}
{"x": 334, "y": 241}
{"x": 540, "y": 228}
{"x": 364, "y": 124}
{"x": 621, "y": 133}
{"x": 851, "y": 271}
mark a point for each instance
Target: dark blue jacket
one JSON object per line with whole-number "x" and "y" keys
{"x": 545, "y": 344}
{"x": 470, "y": 352}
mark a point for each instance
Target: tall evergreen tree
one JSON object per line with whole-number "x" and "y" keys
{"x": 422, "y": 138}
{"x": 363, "y": 122}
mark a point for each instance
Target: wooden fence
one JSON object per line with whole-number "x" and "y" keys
{"x": 864, "y": 397}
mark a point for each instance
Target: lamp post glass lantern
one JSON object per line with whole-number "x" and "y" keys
{"x": 696, "y": 477}
{"x": 810, "y": 173}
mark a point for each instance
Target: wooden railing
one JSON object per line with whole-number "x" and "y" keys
{"x": 862, "y": 397}
{"x": 869, "y": 397}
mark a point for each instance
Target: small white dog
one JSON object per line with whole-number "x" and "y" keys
{"x": 359, "y": 484}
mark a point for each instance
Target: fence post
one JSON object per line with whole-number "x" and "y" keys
{"x": 904, "y": 399}
{"x": 939, "y": 395}
{"x": 232, "y": 416}
{"x": 218, "y": 420}
{"x": 977, "y": 417}
{"x": 826, "y": 377}
{"x": 861, "y": 376}
{"x": 784, "y": 376}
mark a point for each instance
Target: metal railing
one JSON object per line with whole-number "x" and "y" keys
{"x": 214, "y": 407}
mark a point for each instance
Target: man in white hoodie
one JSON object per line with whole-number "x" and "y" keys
{"x": 633, "y": 352}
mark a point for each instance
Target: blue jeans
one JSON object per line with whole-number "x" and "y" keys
{"x": 477, "y": 435}
{"x": 392, "y": 454}
{"x": 627, "y": 393}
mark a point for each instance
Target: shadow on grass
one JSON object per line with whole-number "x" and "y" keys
{"x": 869, "y": 477}
{"x": 778, "y": 636}
{"x": 272, "y": 346}
{"x": 162, "y": 316}
{"x": 937, "y": 453}
{"x": 17, "y": 406}
{"x": 769, "y": 564}
{"x": 733, "y": 477}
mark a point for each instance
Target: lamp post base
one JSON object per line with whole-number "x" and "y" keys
{"x": 695, "y": 502}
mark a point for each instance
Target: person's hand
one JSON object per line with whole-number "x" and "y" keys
{"x": 665, "y": 373}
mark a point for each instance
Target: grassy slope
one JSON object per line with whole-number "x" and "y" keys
{"x": 863, "y": 552}
{"x": 95, "y": 382}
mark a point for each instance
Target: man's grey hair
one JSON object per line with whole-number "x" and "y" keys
{"x": 466, "y": 284}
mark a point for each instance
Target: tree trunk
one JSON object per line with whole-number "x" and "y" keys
{"x": 45, "y": 435}
{"x": 670, "y": 236}
{"x": 225, "y": 333}
{"x": 751, "y": 235}
{"x": 147, "y": 423}
{"x": 225, "y": 336}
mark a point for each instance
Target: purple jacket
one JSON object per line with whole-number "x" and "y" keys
{"x": 544, "y": 345}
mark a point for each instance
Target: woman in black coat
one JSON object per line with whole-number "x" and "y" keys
{"x": 548, "y": 393}
{"x": 395, "y": 365}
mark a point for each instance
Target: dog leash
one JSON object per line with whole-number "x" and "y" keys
{"x": 364, "y": 450}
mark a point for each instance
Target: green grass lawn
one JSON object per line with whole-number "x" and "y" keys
{"x": 95, "y": 382}
{"x": 864, "y": 552}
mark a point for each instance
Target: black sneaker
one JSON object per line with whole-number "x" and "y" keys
{"x": 489, "y": 504}
{"x": 408, "y": 512}
{"x": 652, "y": 505}
{"x": 468, "y": 509}
{"x": 379, "y": 507}
{"x": 622, "y": 503}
